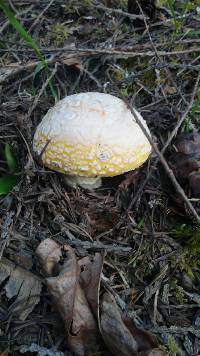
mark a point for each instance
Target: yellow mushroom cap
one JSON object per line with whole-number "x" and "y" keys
{"x": 91, "y": 134}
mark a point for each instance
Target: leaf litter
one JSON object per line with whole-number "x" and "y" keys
{"x": 74, "y": 285}
{"x": 21, "y": 286}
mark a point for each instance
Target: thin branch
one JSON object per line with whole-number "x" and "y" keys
{"x": 41, "y": 91}
{"x": 105, "y": 51}
{"x": 40, "y": 16}
{"x": 166, "y": 167}
{"x": 182, "y": 119}
{"x": 118, "y": 12}
{"x": 167, "y": 143}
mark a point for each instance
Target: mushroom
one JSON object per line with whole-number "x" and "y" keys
{"x": 91, "y": 135}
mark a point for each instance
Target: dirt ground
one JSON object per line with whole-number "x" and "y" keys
{"x": 147, "y": 230}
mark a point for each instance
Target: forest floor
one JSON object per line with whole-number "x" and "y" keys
{"x": 144, "y": 231}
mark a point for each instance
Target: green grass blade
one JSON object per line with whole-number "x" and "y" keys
{"x": 29, "y": 40}
{"x": 10, "y": 158}
{"x": 38, "y": 69}
{"x": 7, "y": 183}
{"x": 20, "y": 29}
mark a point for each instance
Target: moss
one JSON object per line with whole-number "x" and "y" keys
{"x": 172, "y": 346}
{"x": 178, "y": 292}
{"x": 186, "y": 262}
{"x": 189, "y": 236}
{"x": 58, "y": 33}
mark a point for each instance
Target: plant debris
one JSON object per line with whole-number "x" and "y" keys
{"x": 41, "y": 351}
{"x": 20, "y": 285}
{"x": 74, "y": 286}
{"x": 185, "y": 162}
{"x": 148, "y": 7}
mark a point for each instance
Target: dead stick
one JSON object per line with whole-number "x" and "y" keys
{"x": 101, "y": 51}
{"x": 182, "y": 119}
{"x": 173, "y": 133}
{"x": 166, "y": 167}
{"x": 41, "y": 91}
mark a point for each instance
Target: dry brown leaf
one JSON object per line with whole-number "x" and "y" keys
{"x": 71, "y": 60}
{"x": 194, "y": 184}
{"x": 91, "y": 269}
{"x": 83, "y": 335}
{"x": 130, "y": 178}
{"x": 4, "y": 353}
{"x": 168, "y": 89}
{"x": 119, "y": 332}
{"x": 69, "y": 298}
{"x": 145, "y": 339}
{"x": 116, "y": 335}
{"x": 101, "y": 220}
{"x": 185, "y": 163}
{"x": 75, "y": 291}
{"x": 22, "y": 285}
{"x": 49, "y": 253}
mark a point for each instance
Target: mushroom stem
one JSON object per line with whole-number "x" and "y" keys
{"x": 84, "y": 182}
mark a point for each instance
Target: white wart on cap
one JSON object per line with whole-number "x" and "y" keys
{"x": 91, "y": 135}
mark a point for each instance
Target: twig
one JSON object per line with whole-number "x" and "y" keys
{"x": 147, "y": 29}
{"x": 155, "y": 306}
{"x": 177, "y": 330}
{"x": 6, "y": 229}
{"x": 40, "y": 15}
{"x": 93, "y": 246}
{"x": 113, "y": 51}
{"x": 153, "y": 47}
{"x": 105, "y": 51}
{"x": 118, "y": 12}
{"x": 44, "y": 149}
{"x": 100, "y": 7}
{"x": 166, "y": 167}
{"x": 173, "y": 133}
{"x": 41, "y": 91}
{"x": 191, "y": 63}
{"x": 13, "y": 69}
{"x": 130, "y": 48}
{"x": 7, "y": 23}
{"x": 30, "y": 162}
{"x": 182, "y": 119}
{"x": 160, "y": 23}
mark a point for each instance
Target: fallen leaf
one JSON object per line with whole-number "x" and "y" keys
{"x": 168, "y": 89}
{"x": 41, "y": 351}
{"x": 71, "y": 60}
{"x": 188, "y": 143}
{"x": 22, "y": 285}
{"x": 69, "y": 297}
{"x": 130, "y": 178}
{"x": 75, "y": 291}
{"x": 101, "y": 220}
{"x": 116, "y": 335}
{"x": 194, "y": 184}
{"x": 119, "y": 332}
{"x": 4, "y": 353}
{"x": 185, "y": 163}
{"x": 91, "y": 269}
{"x": 49, "y": 253}
{"x": 145, "y": 340}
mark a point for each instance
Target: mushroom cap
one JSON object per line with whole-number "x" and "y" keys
{"x": 91, "y": 134}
